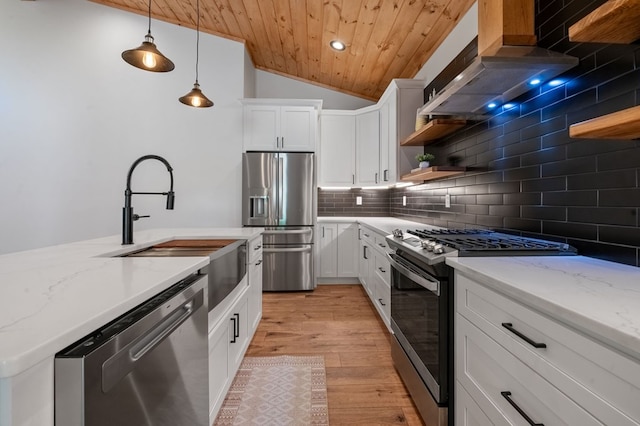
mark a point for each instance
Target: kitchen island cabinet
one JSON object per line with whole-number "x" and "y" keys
{"x": 557, "y": 337}
{"x": 52, "y": 297}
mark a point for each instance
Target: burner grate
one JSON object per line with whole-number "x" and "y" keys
{"x": 477, "y": 242}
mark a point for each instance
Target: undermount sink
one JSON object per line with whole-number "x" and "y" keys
{"x": 182, "y": 248}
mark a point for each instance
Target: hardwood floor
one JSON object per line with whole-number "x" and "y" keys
{"x": 339, "y": 322}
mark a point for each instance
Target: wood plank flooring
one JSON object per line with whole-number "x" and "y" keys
{"x": 339, "y": 322}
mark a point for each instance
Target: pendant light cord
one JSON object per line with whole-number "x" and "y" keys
{"x": 149, "y": 30}
{"x": 197, "y": 37}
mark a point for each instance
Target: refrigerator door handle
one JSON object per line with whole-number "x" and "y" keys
{"x": 280, "y": 174}
{"x": 292, "y": 231}
{"x": 287, "y": 250}
{"x": 259, "y": 206}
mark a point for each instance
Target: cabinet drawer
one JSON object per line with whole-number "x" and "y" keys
{"x": 383, "y": 268}
{"x": 598, "y": 378}
{"x": 493, "y": 377}
{"x": 254, "y": 249}
{"x": 381, "y": 243}
{"x": 367, "y": 235}
{"x": 468, "y": 412}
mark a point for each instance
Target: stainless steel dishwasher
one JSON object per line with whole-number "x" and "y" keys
{"x": 147, "y": 367}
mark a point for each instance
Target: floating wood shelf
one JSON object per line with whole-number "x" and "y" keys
{"x": 623, "y": 124}
{"x": 433, "y": 130}
{"x": 431, "y": 173}
{"x": 616, "y": 21}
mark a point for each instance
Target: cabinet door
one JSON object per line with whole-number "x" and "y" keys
{"x": 365, "y": 266}
{"x": 387, "y": 167}
{"x": 337, "y": 150}
{"x": 261, "y": 127}
{"x": 255, "y": 293}
{"x": 347, "y": 250}
{"x": 238, "y": 332}
{"x": 219, "y": 373}
{"x": 298, "y": 128}
{"x": 328, "y": 249}
{"x": 368, "y": 148}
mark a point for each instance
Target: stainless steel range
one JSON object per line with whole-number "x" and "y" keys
{"x": 422, "y": 305}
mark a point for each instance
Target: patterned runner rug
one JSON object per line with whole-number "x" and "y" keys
{"x": 280, "y": 390}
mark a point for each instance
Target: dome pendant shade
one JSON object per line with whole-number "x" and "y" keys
{"x": 148, "y": 57}
{"x": 196, "y": 98}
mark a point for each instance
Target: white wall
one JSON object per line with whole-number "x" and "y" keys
{"x": 74, "y": 116}
{"x": 270, "y": 85}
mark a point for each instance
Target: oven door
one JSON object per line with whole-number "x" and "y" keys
{"x": 419, "y": 319}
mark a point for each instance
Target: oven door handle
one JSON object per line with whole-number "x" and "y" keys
{"x": 431, "y": 285}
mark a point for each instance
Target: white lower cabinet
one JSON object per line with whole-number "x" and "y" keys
{"x": 338, "y": 250}
{"x": 375, "y": 270}
{"x": 232, "y": 325}
{"x": 219, "y": 368}
{"x": 255, "y": 293}
{"x": 515, "y": 365}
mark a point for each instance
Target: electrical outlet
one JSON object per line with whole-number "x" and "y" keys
{"x": 404, "y": 200}
{"x": 447, "y": 201}
{"x": 358, "y": 201}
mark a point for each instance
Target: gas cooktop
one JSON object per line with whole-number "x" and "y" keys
{"x": 439, "y": 242}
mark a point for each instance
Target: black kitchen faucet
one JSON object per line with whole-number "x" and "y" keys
{"x": 127, "y": 212}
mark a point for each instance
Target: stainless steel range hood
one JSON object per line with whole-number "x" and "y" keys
{"x": 497, "y": 78}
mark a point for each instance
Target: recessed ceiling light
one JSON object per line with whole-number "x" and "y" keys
{"x": 535, "y": 82}
{"x": 337, "y": 45}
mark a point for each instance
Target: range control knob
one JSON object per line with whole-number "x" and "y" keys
{"x": 438, "y": 249}
{"x": 428, "y": 245}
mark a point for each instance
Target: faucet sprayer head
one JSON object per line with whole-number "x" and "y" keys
{"x": 171, "y": 198}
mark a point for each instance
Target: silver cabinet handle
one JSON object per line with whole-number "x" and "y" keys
{"x": 381, "y": 302}
{"x": 257, "y": 247}
{"x": 293, "y": 231}
{"x": 376, "y": 179}
{"x": 287, "y": 250}
{"x": 385, "y": 175}
{"x": 382, "y": 269}
{"x": 259, "y": 262}
{"x": 353, "y": 179}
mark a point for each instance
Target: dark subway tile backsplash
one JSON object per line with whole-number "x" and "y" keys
{"x": 526, "y": 174}
{"x": 343, "y": 202}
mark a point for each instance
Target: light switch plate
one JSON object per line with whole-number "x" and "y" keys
{"x": 358, "y": 201}
{"x": 447, "y": 201}
{"x": 404, "y": 200}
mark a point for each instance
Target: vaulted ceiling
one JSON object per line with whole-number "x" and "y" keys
{"x": 385, "y": 39}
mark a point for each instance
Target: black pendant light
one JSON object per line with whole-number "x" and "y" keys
{"x": 147, "y": 56}
{"x": 195, "y": 97}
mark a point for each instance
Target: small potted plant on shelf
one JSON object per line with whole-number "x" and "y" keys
{"x": 425, "y": 159}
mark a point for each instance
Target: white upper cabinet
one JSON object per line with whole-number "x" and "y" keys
{"x": 361, "y": 148}
{"x": 337, "y": 149}
{"x": 270, "y": 126}
{"x": 368, "y": 148}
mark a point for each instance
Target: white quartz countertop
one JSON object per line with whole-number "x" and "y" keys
{"x": 384, "y": 225}
{"x": 599, "y": 298}
{"x": 53, "y": 296}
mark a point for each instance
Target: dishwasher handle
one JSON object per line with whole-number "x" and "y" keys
{"x": 123, "y": 362}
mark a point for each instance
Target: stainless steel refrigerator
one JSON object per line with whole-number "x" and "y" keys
{"x": 279, "y": 194}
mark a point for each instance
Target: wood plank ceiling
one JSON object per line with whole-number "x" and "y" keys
{"x": 385, "y": 39}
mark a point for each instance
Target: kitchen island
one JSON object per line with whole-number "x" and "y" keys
{"x": 53, "y": 296}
